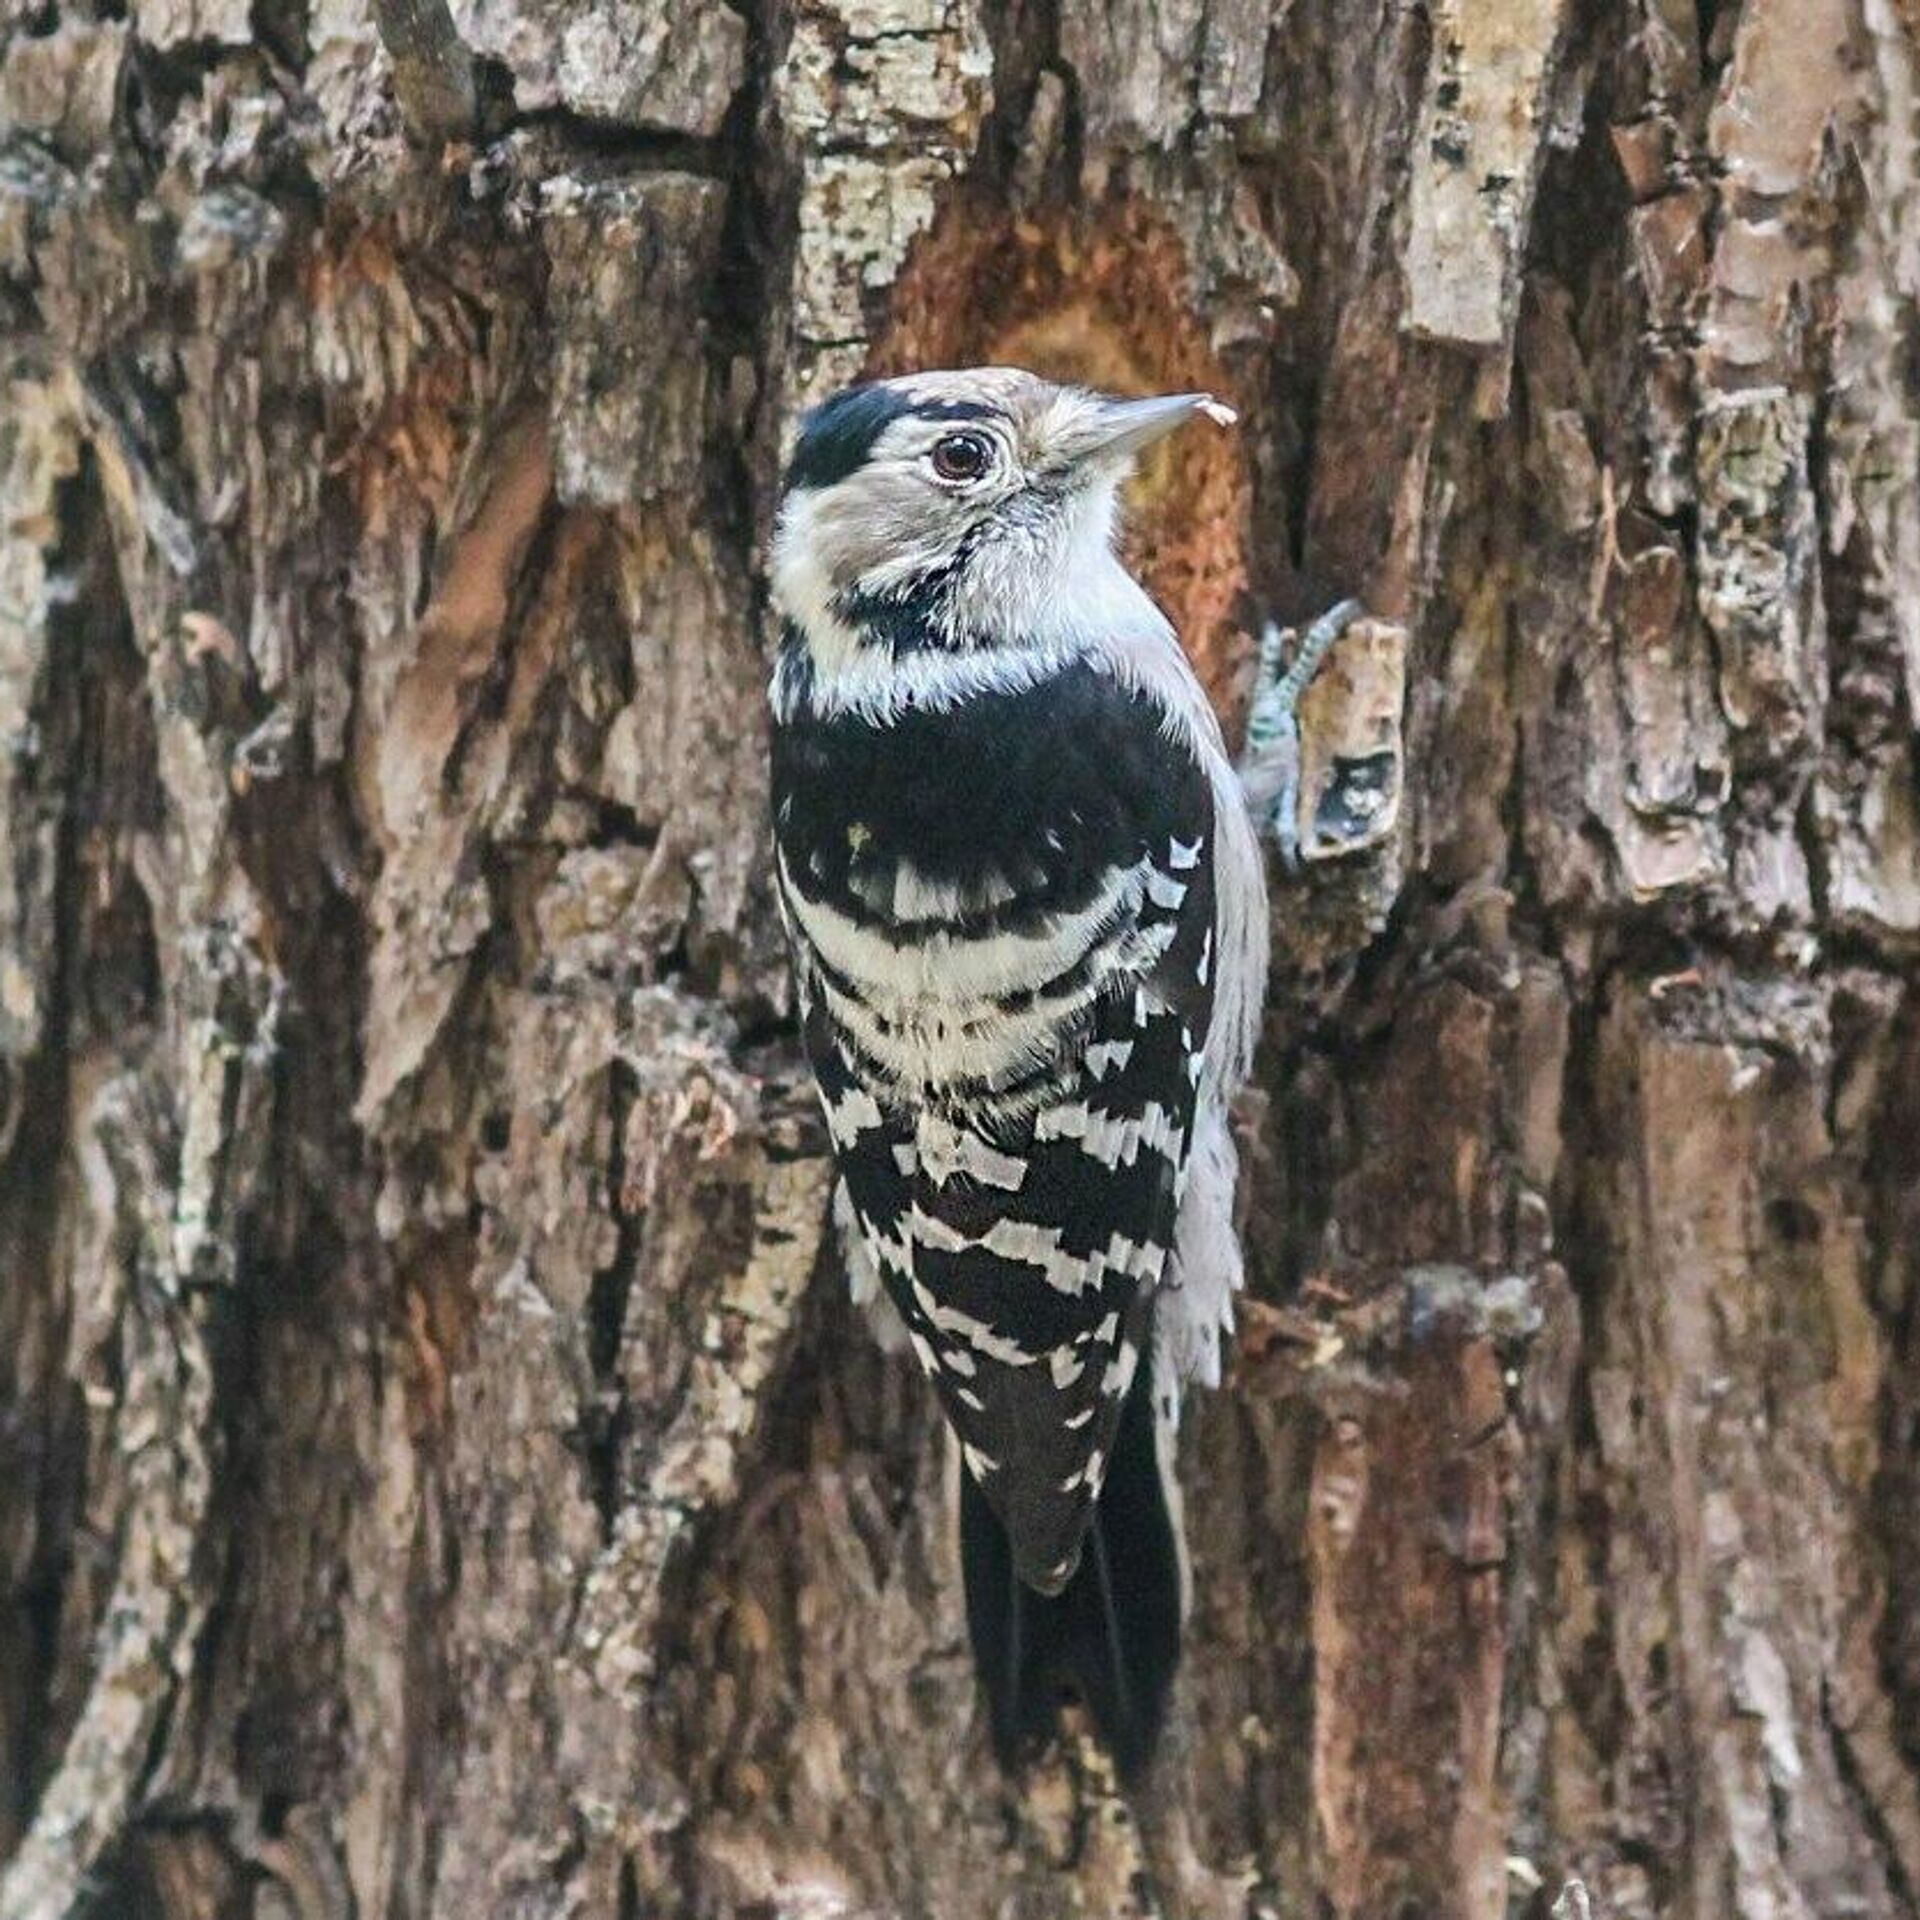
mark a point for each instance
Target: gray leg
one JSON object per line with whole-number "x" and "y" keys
{"x": 1270, "y": 765}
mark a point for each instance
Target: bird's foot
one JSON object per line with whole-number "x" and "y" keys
{"x": 1270, "y": 761}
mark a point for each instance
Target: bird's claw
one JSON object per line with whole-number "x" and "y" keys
{"x": 1270, "y": 762}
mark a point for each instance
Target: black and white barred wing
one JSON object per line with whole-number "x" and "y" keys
{"x": 1023, "y": 1252}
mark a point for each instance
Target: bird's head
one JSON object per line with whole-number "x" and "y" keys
{"x": 951, "y": 512}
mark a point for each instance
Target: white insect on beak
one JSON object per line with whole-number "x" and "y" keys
{"x": 1126, "y": 426}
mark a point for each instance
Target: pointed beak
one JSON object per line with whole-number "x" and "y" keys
{"x": 1125, "y": 426}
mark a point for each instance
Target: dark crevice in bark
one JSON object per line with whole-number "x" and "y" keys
{"x": 281, "y": 27}
{"x": 487, "y": 705}
{"x": 100, "y": 983}
{"x": 610, "y": 1416}
{"x": 142, "y": 1878}
{"x": 651, "y": 148}
{"x": 1583, "y": 1246}
{"x": 737, "y": 311}
{"x": 1026, "y": 43}
{"x": 1867, "y": 1806}
{"x": 617, "y": 825}
{"x": 1892, "y": 1178}
{"x": 42, "y": 1419}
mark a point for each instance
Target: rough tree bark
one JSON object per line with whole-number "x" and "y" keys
{"x": 439, "y": 1472}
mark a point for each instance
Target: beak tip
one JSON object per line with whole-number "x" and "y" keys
{"x": 1128, "y": 426}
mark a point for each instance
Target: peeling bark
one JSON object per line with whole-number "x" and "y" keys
{"x": 440, "y": 1473}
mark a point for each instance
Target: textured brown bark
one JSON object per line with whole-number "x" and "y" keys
{"x": 439, "y": 1472}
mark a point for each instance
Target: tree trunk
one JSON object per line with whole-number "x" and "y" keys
{"x": 440, "y": 1472}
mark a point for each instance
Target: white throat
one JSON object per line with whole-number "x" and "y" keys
{"x": 1029, "y": 599}
{"x": 1018, "y": 615}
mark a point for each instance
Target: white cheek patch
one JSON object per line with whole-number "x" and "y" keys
{"x": 800, "y": 566}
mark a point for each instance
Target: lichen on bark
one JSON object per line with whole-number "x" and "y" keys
{"x": 440, "y": 1472}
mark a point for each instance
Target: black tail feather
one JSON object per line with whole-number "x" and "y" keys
{"x": 1112, "y": 1634}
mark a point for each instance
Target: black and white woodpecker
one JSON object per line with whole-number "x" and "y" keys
{"x": 1028, "y": 919}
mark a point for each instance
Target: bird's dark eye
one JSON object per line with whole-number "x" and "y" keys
{"x": 961, "y": 456}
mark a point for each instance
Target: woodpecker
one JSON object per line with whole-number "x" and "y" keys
{"x": 1028, "y": 921}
